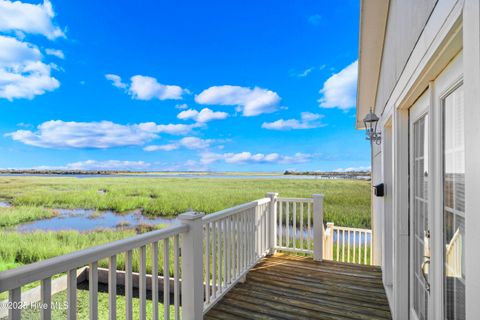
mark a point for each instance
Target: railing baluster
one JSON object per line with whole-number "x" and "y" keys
{"x": 348, "y": 245}
{"x": 354, "y": 244}
{"x": 371, "y": 247}
{"x": 214, "y": 260}
{"x": 245, "y": 239}
{"x": 142, "y": 283}
{"x": 176, "y": 275}
{"x": 72, "y": 294}
{"x": 15, "y": 299}
{"x": 228, "y": 272}
{"x": 166, "y": 278}
{"x": 207, "y": 263}
{"x": 338, "y": 244}
{"x": 128, "y": 285}
{"x": 112, "y": 287}
{"x": 294, "y": 225}
{"x": 359, "y": 247}
{"x": 93, "y": 290}
{"x": 309, "y": 218}
{"x": 280, "y": 223}
{"x": 220, "y": 255}
{"x": 365, "y": 249}
{"x": 287, "y": 204}
{"x": 46, "y": 298}
{"x": 301, "y": 226}
{"x": 224, "y": 240}
{"x": 343, "y": 245}
{"x": 155, "y": 281}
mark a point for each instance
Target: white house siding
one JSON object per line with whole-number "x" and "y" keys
{"x": 406, "y": 21}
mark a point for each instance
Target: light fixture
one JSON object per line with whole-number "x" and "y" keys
{"x": 370, "y": 121}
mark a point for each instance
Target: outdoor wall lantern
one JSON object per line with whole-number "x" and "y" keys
{"x": 370, "y": 121}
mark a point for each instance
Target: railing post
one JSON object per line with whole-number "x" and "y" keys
{"x": 272, "y": 222}
{"x": 317, "y": 227}
{"x": 192, "y": 266}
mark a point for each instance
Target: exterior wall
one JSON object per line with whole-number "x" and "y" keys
{"x": 413, "y": 56}
{"x": 406, "y": 21}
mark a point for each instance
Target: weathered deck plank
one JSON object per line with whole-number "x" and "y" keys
{"x": 295, "y": 287}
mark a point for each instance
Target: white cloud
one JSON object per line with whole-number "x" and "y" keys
{"x": 22, "y": 73}
{"x": 99, "y": 135}
{"x": 29, "y": 18}
{"x": 205, "y": 115}
{"x": 173, "y": 129}
{"x": 108, "y": 165}
{"x": 250, "y": 101}
{"x": 147, "y": 88}
{"x": 116, "y": 80}
{"x": 163, "y": 147}
{"x": 247, "y": 157}
{"x": 56, "y": 53}
{"x": 339, "y": 91}
{"x": 192, "y": 143}
{"x": 308, "y": 121}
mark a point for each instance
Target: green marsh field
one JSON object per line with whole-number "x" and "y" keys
{"x": 347, "y": 203}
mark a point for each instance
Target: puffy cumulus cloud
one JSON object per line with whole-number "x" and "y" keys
{"x": 251, "y": 102}
{"x": 247, "y": 157}
{"x": 308, "y": 120}
{"x": 147, "y": 88}
{"x": 56, "y": 53}
{"x": 204, "y": 115}
{"x": 339, "y": 91}
{"x": 29, "y": 18}
{"x": 99, "y": 135}
{"x": 192, "y": 143}
{"x": 22, "y": 73}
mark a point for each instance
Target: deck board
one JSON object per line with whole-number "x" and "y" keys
{"x": 293, "y": 287}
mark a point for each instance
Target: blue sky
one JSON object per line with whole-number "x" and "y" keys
{"x": 180, "y": 85}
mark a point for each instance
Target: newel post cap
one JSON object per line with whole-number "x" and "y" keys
{"x": 191, "y": 215}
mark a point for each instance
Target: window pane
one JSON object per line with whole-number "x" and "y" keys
{"x": 454, "y": 205}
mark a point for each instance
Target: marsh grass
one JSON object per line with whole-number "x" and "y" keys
{"x": 347, "y": 202}
{"x": 10, "y": 216}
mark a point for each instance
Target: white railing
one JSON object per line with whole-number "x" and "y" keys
{"x": 234, "y": 240}
{"x": 151, "y": 242}
{"x": 217, "y": 251}
{"x": 352, "y": 245}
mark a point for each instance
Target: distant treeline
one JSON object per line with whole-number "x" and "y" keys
{"x": 349, "y": 174}
{"x": 63, "y": 172}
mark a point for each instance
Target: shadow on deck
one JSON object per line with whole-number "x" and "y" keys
{"x": 293, "y": 287}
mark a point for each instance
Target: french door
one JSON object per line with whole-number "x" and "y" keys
{"x": 420, "y": 253}
{"x": 437, "y": 199}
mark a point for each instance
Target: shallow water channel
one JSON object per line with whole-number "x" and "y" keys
{"x": 88, "y": 220}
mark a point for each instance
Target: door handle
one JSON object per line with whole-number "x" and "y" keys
{"x": 427, "y": 284}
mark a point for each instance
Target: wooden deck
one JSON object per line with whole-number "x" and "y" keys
{"x": 294, "y": 287}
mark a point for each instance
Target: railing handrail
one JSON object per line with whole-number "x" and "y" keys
{"x": 233, "y": 210}
{"x": 307, "y": 200}
{"x": 23, "y": 275}
{"x": 352, "y": 229}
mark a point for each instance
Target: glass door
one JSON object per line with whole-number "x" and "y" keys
{"x": 454, "y": 205}
{"x": 419, "y": 210}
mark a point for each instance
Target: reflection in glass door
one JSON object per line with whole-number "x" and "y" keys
{"x": 454, "y": 205}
